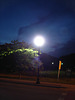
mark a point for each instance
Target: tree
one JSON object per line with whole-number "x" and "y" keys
{"x": 17, "y": 56}
{"x": 68, "y": 62}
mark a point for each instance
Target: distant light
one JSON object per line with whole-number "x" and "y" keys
{"x": 52, "y": 63}
{"x": 39, "y": 41}
{"x": 61, "y": 63}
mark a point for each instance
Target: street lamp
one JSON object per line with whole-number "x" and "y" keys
{"x": 38, "y": 41}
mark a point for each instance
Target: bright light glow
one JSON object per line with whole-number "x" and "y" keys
{"x": 39, "y": 41}
{"x": 52, "y": 63}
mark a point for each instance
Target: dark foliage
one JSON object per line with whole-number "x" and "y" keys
{"x": 16, "y": 61}
{"x": 68, "y": 62}
{"x": 47, "y": 61}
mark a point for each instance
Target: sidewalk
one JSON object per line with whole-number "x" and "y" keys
{"x": 42, "y": 84}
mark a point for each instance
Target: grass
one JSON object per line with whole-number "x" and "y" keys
{"x": 52, "y": 74}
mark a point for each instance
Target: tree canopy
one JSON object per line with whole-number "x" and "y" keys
{"x": 16, "y": 56}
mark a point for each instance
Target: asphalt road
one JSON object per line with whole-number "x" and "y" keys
{"x": 13, "y": 91}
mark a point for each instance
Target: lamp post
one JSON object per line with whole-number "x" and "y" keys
{"x": 38, "y": 41}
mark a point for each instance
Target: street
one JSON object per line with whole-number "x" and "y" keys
{"x": 13, "y": 91}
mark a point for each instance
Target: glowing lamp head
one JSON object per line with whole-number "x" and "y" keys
{"x": 39, "y": 41}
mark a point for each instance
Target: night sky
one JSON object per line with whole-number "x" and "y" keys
{"x": 53, "y": 19}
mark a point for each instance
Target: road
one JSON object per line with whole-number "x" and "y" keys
{"x": 13, "y": 91}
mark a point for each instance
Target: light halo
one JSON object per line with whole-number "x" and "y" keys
{"x": 39, "y": 41}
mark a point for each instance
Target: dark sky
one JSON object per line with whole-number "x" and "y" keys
{"x": 53, "y": 19}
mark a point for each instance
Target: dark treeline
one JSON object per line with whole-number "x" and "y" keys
{"x": 16, "y": 57}
{"x": 68, "y": 62}
{"x": 52, "y": 63}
